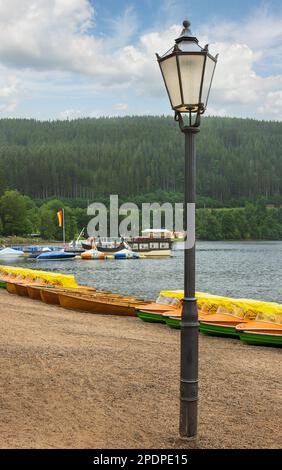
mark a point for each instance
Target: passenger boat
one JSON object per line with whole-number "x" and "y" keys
{"x": 152, "y": 243}
{"x": 107, "y": 306}
{"x": 107, "y": 246}
{"x": 262, "y": 333}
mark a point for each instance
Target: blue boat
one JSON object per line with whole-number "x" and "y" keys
{"x": 55, "y": 255}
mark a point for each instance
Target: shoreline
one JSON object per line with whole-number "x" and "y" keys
{"x": 78, "y": 380}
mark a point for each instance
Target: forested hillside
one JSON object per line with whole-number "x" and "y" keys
{"x": 87, "y": 158}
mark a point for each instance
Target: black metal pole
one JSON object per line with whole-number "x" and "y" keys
{"x": 189, "y": 324}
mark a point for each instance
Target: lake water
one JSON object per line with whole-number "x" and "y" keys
{"x": 234, "y": 269}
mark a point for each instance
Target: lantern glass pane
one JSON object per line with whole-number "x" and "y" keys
{"x": 170, "y": 73}
{"x": 191, "y": 69}
{"x": 189, "y": 46}
{"x": 209, "y": 69}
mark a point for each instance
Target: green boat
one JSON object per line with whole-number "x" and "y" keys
{"x": 3, "y": 284}
{"x": 212, "y": 329}
{"x": 261, "y": 339}
{"x": 173, "y": 322}
{"x": 150, "y": 317}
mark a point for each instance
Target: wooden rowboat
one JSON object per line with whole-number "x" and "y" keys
{"x": 21, "y": 289}
{"x": 260, "y": 333}
{"x": 11, "y": 287}
{"x": 34, "y": 291}
{"x": 49, "y": 295}
{"x": 104, "y": 306}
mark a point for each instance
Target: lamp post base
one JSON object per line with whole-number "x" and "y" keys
{"x": 189, "y": 369}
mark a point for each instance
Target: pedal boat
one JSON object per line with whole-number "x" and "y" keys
{"x": 173, "y": 319}
{"x": 220, "y": 324}
{"x": 262, "y": 333}
{"x": 153, "y": 311}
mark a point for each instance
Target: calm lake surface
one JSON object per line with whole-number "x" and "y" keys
{"x": 234, "y": 269}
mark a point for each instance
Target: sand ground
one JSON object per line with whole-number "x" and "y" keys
{"x": 77, "y": 380}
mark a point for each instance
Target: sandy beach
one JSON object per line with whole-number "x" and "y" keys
{"x": 77, "y": 380}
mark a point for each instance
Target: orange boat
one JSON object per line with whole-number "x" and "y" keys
{"x": 261, "y": 333}
{"x": 220, "y": 324}
{"x": 173, "y": 318}
{"x": 152, "y": 312}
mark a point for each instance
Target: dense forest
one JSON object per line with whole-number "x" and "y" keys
{"x": 20, "y": 215}
{"x": 238, "y": 160}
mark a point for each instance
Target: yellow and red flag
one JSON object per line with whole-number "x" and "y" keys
{"x": 60, "y": 215}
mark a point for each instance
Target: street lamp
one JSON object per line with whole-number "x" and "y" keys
{"x": 188, "y": 70}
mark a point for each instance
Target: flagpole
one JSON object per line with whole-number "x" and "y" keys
{"x": 64, "y": 231}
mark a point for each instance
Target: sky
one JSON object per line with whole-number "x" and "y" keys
{"x": 66, "y": 59}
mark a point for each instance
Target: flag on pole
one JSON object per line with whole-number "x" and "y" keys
{"x": 60, "y": 215}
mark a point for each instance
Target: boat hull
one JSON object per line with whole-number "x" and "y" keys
{"x": 11, "y": 287}
{"x": 157, "y": 253}
{"x": 174, "y": 323}
{"x": 55, "y": 256}
{"x": 95, "y": 306}
{"x": 150, "y": 317}
{"x": 261, "y": 339}
{"x": 34, "y": 292}
{"x": 50, "y": 296}
{"x": 217, "y": 329}
{"x": 21, "y": 289}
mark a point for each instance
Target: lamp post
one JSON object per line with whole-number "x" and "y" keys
{"x": 187, "y": 71}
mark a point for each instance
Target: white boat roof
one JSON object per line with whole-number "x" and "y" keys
{"x": 156, "y": 230}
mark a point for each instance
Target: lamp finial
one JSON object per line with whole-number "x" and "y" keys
{"x": 186, "y": 28}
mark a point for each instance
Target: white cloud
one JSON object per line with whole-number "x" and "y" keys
{"x": 8, "y": 107}
{"x": 10, "y": 90}
{"x": 121, "y": 106}
{"x": 70, "y": 114}
{"x": 55, "y": 38}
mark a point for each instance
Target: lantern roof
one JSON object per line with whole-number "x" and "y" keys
{"x": 186, "y": 34}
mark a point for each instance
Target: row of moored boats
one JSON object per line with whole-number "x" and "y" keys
{"x": 254, "y": 322}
